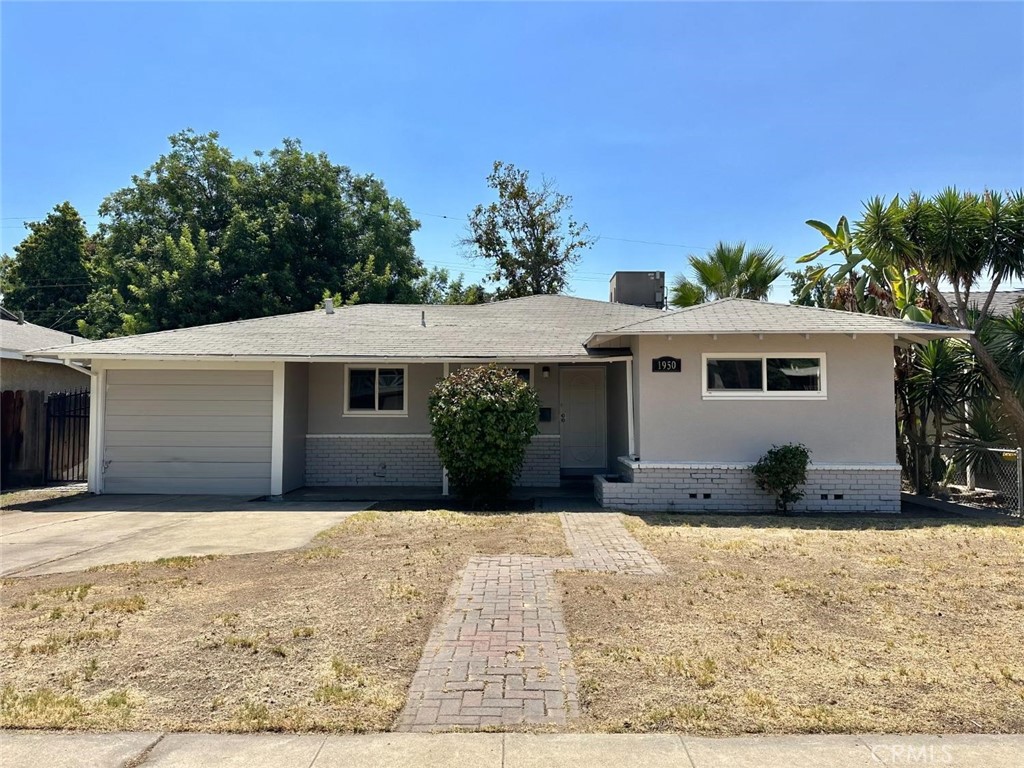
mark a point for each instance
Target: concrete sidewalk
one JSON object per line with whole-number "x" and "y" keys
{"x": 30, "y": 749}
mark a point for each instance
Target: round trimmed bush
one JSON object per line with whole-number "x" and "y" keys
{"x": 482, "y": 420}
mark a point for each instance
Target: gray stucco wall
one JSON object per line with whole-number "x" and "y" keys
{"x": 296, "y": 417}
{"x": 188, "y": 431}
{"x": 854, "y": 425}
{"x": 40, "y": 377}
{"x": 326, "y": 401}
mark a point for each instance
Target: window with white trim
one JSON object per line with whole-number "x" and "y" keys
{"x": 757, "y": 376}
{"x": 375, "y": 390}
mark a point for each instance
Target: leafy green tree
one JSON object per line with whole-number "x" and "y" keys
{"x": 46, "y": 278}
{"x": 728, "y": 271}
{"x": 482, "y": 420}
{"x": 808, "y": 292}
{"x": 202, "y": 236}
{"x": 438, "y": 287}
{"x": 527, "y": 235}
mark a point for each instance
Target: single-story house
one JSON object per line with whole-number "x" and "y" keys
{"x": 666, "y": 410}
{"x": 38, "y": 374}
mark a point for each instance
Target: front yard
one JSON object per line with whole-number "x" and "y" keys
{"x": 322, "y": 638}
{"x": 804, "y": 626}
{"x": 761, "y": 625}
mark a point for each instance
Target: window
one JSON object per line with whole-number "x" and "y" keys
{"x": 764, "y": 376}
{"x": 375, "y": 391}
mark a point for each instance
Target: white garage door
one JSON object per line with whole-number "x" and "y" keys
{"x": 188, "y": 431}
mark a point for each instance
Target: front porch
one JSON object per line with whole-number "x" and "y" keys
{"x": 359, "y": 429}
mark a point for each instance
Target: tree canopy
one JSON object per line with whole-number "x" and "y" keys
{"x": 527, "y": 235}
{"x": 47, "y": 277}
{"x": 203, "y": 236}
{"x": 730, "y": 270}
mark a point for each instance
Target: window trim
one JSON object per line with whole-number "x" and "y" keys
{"x": 346, "y": 411}
{"x": 764, "y": 393}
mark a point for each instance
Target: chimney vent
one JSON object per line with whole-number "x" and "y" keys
{"x": 423, "y": 318}
{"x": 21, "y": 317}
{"x": 329, "y": 306}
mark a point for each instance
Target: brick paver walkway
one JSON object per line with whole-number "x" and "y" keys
{"x": 501, "y": 655}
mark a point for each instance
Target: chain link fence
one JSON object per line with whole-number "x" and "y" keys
{"x": 988, "y": 477}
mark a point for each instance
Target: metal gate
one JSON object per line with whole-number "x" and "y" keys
{"x": 67, "y": 437}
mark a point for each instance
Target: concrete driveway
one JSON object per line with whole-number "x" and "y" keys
{"x": 101, "y": 530}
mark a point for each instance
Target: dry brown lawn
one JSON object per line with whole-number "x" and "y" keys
{"x": 41, "y": 497}
{"x": 797, "y": 626}
{"x": 322, "y": 638}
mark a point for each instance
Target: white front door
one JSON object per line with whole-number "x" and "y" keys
{"x": 582, "y": 414}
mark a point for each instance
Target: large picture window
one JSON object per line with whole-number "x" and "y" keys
{"x": 375, "y": 391}
{"x": 764, "y": 376}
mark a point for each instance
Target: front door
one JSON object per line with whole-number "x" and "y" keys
{"x": 582, "y": 416}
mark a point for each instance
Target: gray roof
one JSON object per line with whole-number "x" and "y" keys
{"x": 534, "y": 327}
{"x": 18, "y": 337}
{"x": 733, "y": 316}
{"x": 1003, "y": 302}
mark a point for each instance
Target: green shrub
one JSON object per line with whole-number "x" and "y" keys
{"x": 781, "y": 471}
{"x": 482, "y": 420}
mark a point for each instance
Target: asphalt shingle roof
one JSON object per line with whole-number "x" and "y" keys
{"x": 538, "y": 327}
{"x": 531, "y": 327}
{"x": 1003, "y": 302}
{"x": 20, "y": 337}
{"x": 730, "y": 316}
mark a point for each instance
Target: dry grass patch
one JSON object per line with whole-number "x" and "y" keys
{"x": 27, "y": 499}
{"x": 321, "y": 638}
{"x": 805, "y": 626}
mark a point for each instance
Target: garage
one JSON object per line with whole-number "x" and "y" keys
{"x": 188, "y": 431}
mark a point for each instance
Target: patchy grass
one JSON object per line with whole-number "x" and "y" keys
{"x": 776, "y": 625}
{"x": 281, "y": 641}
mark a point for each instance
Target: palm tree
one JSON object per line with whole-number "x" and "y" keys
{"x": 728, "y": 271}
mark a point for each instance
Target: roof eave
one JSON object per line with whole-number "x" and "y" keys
{"x": 938, "y": 333}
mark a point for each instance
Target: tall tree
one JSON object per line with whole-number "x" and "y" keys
{"x": 203, "y": 237}
{"x": 527, "y": 235}
{"x": 46, "y": 278}
{"x": 439, "y": 287}
{"x": 730, "y": 270}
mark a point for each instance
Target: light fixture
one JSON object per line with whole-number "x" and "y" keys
{"x": 545, "y": 371}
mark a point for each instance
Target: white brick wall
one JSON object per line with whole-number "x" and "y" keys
{"x": 407, "y": 460}
{"x": 731, "y": 488}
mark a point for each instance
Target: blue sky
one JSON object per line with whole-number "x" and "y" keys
{"x": 677, "y": 123}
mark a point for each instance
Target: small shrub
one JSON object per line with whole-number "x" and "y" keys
{"x": 482, "y": 420}
{"x": 781, "y": 471}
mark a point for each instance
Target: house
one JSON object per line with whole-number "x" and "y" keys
{"x": 39, "y": 374}
{"x": 665, "y": 410}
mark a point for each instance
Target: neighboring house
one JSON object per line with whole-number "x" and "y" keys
{"x": 1003, "y": 302}
{"x": 676, "y": 405}
{"x": 25, "y": 386}
{"x": 40, "y": 374}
